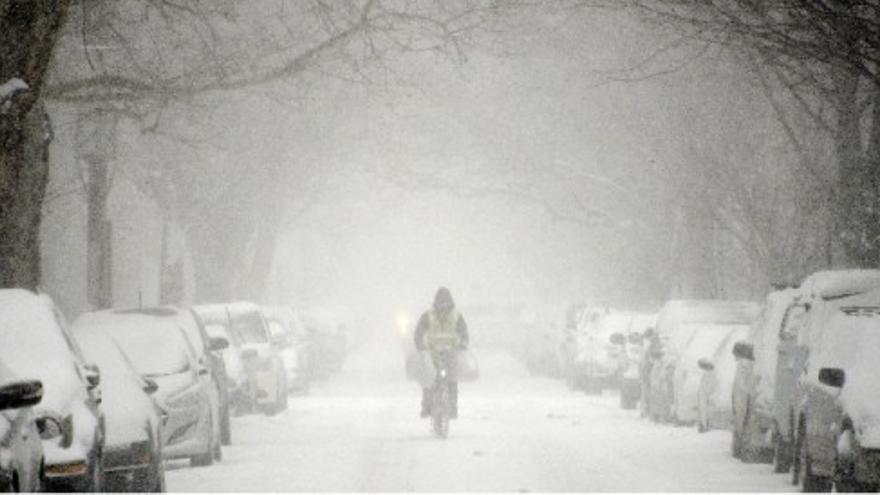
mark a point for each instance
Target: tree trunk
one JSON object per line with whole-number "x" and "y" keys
{"x": 254, "y": 280}
{"x": 24, "y": 173}
{"x": 28, "y": 34}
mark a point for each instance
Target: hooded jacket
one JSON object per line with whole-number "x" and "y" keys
{"x": 441, "y": 325}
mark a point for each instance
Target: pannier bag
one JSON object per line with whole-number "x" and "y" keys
{"x": 468, "y": 370}
{"x": 420, "y": 368}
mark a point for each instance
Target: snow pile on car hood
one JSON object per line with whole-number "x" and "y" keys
{"x": 126, "y": 406}
{"x": 31, "y": 338}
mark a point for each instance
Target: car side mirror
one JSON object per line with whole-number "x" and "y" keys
{"x": 150, "y": 386}
{"x": 744, "y": 350}
{"x": 92, "y": 375}
{"x": 618, "y": 339}
{"x": 833, "y": 377}
{"x": 705, "y": 364}
{"x": 21, "y": 394}
{"x": 217, "y": 343}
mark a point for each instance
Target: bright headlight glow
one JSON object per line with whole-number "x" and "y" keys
{"x": 403, "y": 323}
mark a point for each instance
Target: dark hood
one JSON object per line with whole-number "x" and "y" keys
{"x": 443, "y": 301}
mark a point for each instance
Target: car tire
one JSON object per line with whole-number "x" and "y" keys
{"x": 206, "y": 458}
{"x": 225, "y": 427}
{"x": 807, "y": 481}
{"x": 782, "y": 457}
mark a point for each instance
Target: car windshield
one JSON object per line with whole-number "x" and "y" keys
{"x": 248, "y": 327}
{"x": 116, "y": 370}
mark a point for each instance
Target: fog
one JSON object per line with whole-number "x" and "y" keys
{"x": 292, "y": 182}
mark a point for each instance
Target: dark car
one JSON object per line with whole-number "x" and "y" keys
{"x": 133, "y": 445}
{"x": 71, "y": 421}
{"x": 21, "y": 452}
{"x": 838, "y": 434}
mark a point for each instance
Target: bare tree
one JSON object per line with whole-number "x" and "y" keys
{"x": 28, "y": 31}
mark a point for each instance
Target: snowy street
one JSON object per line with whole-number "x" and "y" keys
{"x": 360, "y": 431}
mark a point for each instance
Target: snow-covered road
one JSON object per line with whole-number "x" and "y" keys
{"x": 360, "y": 431}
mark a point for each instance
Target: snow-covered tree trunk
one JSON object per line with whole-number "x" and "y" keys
{"x": 28, "y": 34}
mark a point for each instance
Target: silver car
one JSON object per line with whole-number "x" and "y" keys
{"x": 160, "y": 351}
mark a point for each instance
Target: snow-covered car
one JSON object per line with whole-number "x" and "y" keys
{"x": 212, "y": 368}
{"x": 754, "y": 380}
{"x": 675, "y": 325}
{"x": 716, "y": 384}
{"x": 803, "y": 325}
{"x": 704, "y": 341}
{"x": 240, "y": 384}
{"x": 21, "y": 452}
{"x": 70, "y": 419}
{"x": 133, "y": 443}
{"x": 600, "y": 359}
{"x": 288, "y": 332}
{"x": 262, "y": 358}
{"x": 160, "y": 351}
{"x": 838, "y": 430}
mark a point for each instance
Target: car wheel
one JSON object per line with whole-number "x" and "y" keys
{"x": 217, "y": 452}
{"x": 803, "y": 473}
{"x": 206, "y": 458}
{"x": 735, "y": 443}
{"x": 782, "y": 458}
{"x": 225, "y": 428}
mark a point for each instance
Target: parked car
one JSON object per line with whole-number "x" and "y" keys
{"x": 287, "y": 328}
{"x": 600, "y": 359}
{"x": 704, "y": 341}
{"x": 70, "y": 419}
{"x": 186, "y": 396}
{"x": 755, "y": 380}
{"x": 241, "y": 388}
{"x": 133, "y": 445}
{"x": 837, "y": 439}
{"x": 208, "y": 356}
{"x": 716, "y": 384}
{"x": 803, "y": 324}
{"x": 21, "y": 452}
{"x": 675, "y": 324}
{"x": 262, "y": 356}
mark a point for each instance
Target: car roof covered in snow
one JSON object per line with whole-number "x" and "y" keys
{"x": 830, "y": 284}
{"x": 162, "y": 340}
{"x": 707, "y": 310}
